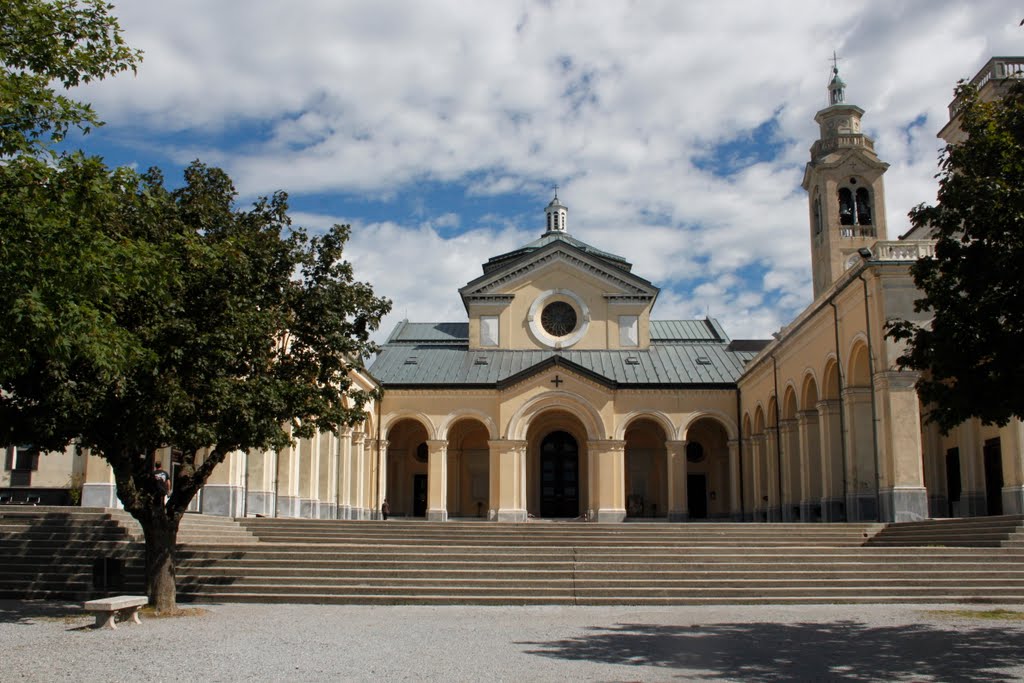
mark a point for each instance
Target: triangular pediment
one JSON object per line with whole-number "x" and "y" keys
{"x": 555, "y": 363}
{"x": 615, "y": 281}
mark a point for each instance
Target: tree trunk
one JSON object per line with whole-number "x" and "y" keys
{"x": 161, "y": 537}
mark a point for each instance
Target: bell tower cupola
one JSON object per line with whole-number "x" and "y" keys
{"x": 556, "y": 215}
{"x": 845, "y": 190}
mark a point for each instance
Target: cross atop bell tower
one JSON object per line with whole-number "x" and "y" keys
{"x": 845, "y": 190}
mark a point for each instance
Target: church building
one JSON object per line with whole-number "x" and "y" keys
{"x": 559, "y": 397}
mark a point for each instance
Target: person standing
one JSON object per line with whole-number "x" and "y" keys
{"x": 385, "y": 509}
{"x": 163, "y": 480}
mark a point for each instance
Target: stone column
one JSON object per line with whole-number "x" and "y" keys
{"x": 760, "y": 477}
{"x": 749, "y": 480}
{"x": 810, "y": 470}
{"x": 382, "y": 475}
{"x": 830, "y": 439}
{"x": 792, "y": 494}
{"x": 259, "y": 487}
{"x": 861, "y": 503}
{"x": 309, "y": 477}
{"x": 224, "y": 491}
{"x": 507, "y": 485}
{"x": 935, "y": 471}
{"x": 287, "y": 473}
{"x": 771, "y": 457}
{"x": 903, "y": 496}
{"x": 437, "y": 481}
{"x": 328, "y": 479}
{"x": 1011, "y": 443}
{"x": 359, "y": 508}
{"x": 735, "y": 472}
{"x": 611, "y": 479}
{"x": 678, "y": 507}
{"x": 345, "y": 474}
{"x": 99, "y": 489}
{"x": 972, "y": 477}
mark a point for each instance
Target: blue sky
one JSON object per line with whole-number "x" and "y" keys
{"x": 677, "y": 132}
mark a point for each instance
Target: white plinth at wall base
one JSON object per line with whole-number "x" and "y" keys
{"x": 108, "y": 609}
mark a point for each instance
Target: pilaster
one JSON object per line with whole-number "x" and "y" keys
{"x": 611, "y": 479}
{"x": 437, "y": 481}
{"x": 508, "y": 481}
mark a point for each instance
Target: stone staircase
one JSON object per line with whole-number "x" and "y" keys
{"x": 970, "y": 532}
{"x": 84, "y": 553}
{"x": 51, "y": 553}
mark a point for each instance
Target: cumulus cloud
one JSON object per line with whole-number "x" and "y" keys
{"x": 624, "y": 105}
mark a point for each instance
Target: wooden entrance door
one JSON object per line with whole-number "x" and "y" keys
{"x": 559, "y": 476}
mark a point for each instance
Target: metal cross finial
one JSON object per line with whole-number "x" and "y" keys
{"x": 835, "y": 62}
{"x": 556, "y": 190}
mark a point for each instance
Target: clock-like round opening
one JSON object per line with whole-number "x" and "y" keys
{"x": 558, "y": 319}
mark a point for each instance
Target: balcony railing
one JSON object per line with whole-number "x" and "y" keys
{"x": 903, "y": 250}
{"x": 997, "y": 69}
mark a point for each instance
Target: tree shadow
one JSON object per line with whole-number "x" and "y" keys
{"x": 27, "y": 612}
{"x": 837, "y": 651}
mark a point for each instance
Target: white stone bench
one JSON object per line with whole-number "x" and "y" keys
{"x": 108, "y": 609}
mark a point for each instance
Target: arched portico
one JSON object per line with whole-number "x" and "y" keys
{"x": 711, "y": 471}
{"x": 407, "y": 467}
{"x": 468, "y": 467}
{"x": 646, "y": 469}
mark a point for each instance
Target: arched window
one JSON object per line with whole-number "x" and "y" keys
{"x": 863, "y": 207}
{"x": 846, "y": 208}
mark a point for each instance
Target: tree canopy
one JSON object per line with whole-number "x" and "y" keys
{"x": 969, "y": 353}
{"x": 68, "y": 42}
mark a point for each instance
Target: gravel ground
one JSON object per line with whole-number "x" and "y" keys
{"x": 56, "y": 642}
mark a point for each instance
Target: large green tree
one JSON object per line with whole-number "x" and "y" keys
{"x": 969, "y": 353}
{"x": 138, "y": 317}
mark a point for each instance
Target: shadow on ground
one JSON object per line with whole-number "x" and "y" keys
{"x": 837, "y": 651}
{"x": 28, "y": 611}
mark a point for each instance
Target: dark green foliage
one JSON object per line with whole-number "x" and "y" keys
{"x": 65, "y": 41}
{"x": 970, "y": 354}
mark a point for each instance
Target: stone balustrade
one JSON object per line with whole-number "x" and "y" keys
{"x": 903, "y": 250}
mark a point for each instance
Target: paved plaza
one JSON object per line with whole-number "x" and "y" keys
{"x": 232, "y": 642}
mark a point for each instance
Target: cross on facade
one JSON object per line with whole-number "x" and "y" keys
{"x": 557, "y": 381}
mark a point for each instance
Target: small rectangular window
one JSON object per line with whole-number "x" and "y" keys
{"x": 489, "y": 330}
{"x": 629, "y": 330}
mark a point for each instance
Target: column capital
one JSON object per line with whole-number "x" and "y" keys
{"x": 437, "y": 443}
{"x": 897, "y": 380}
{"x": 606, "y": 445}
{"x": 805, "y": 416}
{"x": 358, "y": 437}
{"x": 504, "y": 445}
{"x": 676, "y": 447}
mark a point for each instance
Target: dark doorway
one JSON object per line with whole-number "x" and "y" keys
{"x": 993, "y": 454}
{"x": 559, "y": 476}
{"x": 419, "y": 495}
{"x": 953, "y": 487}
{"x": 697, "y": 495}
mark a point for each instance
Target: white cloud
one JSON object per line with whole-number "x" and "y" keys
{"x": 615, "y": 101}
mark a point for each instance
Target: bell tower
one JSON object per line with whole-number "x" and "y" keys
{"x": 845, "y": 190}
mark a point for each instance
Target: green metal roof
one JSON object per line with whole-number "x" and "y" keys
{"x": 683, "y": 352}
